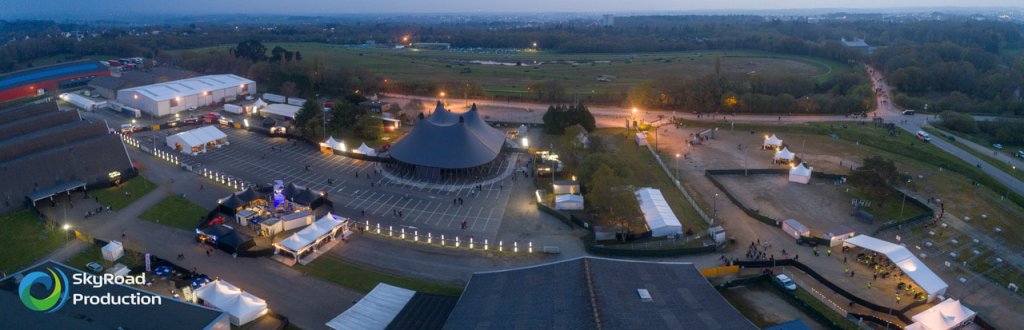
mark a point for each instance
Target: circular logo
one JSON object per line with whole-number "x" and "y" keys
{"x": 55, "y": 282}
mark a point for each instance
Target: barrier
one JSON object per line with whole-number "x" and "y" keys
{"x": 720, "y": 270}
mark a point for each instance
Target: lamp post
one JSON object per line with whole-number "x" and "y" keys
{"x": 1014, "y": 170}
{"x": 904, "y": 203}
{"x": 677, "y": 166}
{"x": 714, "y": 215}
{"x": 66, "y": 228}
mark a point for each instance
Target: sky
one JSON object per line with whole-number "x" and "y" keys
{"x": 107, "y": 8}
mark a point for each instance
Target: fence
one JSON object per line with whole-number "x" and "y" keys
{"x": 753, "y": 214}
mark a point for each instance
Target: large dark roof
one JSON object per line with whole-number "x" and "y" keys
{"x": 557, "y": 296}
{"x": 50, "y": 72}
{"x": 450, "y": 141}
{"x": 424, "y": 311}
{"x": 28, "y": 110}
{"x": 130, "y": 79}
{"x": 170, "y": 314}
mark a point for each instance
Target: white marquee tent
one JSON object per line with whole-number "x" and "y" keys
{"x": 113, "y": 251}
{"x": 784, "y": 154}
{"x": 569, "y": 202}
{"x": 908, "y": 263}
{"x": 280, "y": 109}
{"x": 242, "y": 307}
{"x": 322, "y": 229}
{"x": 334, "y": 144}
{"x": 772, "y": 141}
{"x": 800, "y": 174}
{"x": 196, "y": 140}
{"x": 375, "y": 311}
{"x": 949, "y": 314}
{"x": 660, "y": 218}
{"x": 366, "y": 150}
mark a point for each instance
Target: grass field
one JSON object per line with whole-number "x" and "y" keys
{"x": 25, "y": 240}
{"x": 115, "y": 196}
{"x": 92, "y": 253}
{"x": 175, "y": 211}
{"x": 357, "y": 278}
{"x": 578, "y": 72}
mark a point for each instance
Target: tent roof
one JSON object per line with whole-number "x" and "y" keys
{"x": 773, "y": 140}
{"x": 307, "y": 236}
{"x": 376, "y": 310}
{"x": 944, "y": 315}
{"x": 231, "y": 299}
{"x": 655, "y": 209}
{"x": 248, "y": 195}
{"x": 908, "y": 263}
{"x": 281, "y": 109}
{"x": 365, "y": 149}
{"x": 232, "y": 201}
{"x": 200, "y": 136}
{"x": 801, "y": 170}
{"x": 796, "y": 225}
{"x": 446, "y": 140}
{"x": 332, "y": 143}
{"x": 784, "y": 154}
{"x": 568, "y": 198}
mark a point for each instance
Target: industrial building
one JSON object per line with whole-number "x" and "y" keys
{"x": 175, "y": 96}
{"x": 45, "y": 152}
{"x": 48, "y": 79}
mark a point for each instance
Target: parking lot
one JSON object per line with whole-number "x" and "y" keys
{"x": 357, "y": 189}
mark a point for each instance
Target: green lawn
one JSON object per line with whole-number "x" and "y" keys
{"x": 887, "y": 209}
{"x": 343, "y": 273}
{"x": 25, "y": 240}
{"x": 175, "y": 211}
{"x": 115, "y": 196}
{"x": 647, "y": 173}
{"x": 92, "y": 253}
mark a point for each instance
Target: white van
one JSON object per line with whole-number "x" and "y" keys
{"x": 923, "y": 136}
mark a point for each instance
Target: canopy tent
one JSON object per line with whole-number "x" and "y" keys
{"x": 772, "y": 141}
{"x": 795, "y": 228}
{"x": 569, "y": 202}
{"x": 259, "y": 104}
{"x": 366, "y": 150}
{"x": 660, "y": 218}
{"x": 113, "y": 251}
{"x": 334, "y": 144}
{"x": 242, "y": 307}
{"x": 301, "y": 241}
{"x": 375, "y": 311}
{"x": 784, "y": 154}
{"x": 800, "y": 174}
{"x": 282, "y": 110}
{"x": 949, "y": 314}
{"x": 908, "y": 263}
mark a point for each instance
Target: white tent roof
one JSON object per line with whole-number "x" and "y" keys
{"x": 259, "y": 103}
{"x": 229, "y": 298}
{"x": 943, "y": 316}
{"x": 801, "y": 170}
{"x": 568, "y": 198}
{"x": 209, "y": 133}
{"x": 334, "y": 144}
{"x": 280, "y": 109}
{"x": 784, "y": 154}
{"x": 307, "y": 236}
{"x": 375, "y": 311}
{"x": 658, "y": 214}
{"x": 796, "y": 225}
{"x": 908, "y": 263}
{"x": 188, "y": 138}
{"x": 773, "y": 140}
{"x": 364, "y": 149}
{"x": 191, "y": 86}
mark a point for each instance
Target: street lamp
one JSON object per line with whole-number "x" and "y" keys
{"x": 714, "y": 215}
{"x": 66, "y": 228}
{"x": 904, "y": 203}
{"x": 1014, "y": 170}
{"x": 677, "y": 166}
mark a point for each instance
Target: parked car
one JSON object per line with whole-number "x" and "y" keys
{"x": 785, "y": 282}
{"x": 94, "y": 267}
{"x": 1020, "y": 153}
{"x": 923, "y": 136}
{"x": 224, "y": 121}
{"x": 998, "y": 146}
{"x": 128, "y": 128}
{"x": 908, "y": 112}
{"x": 191, "y": 120}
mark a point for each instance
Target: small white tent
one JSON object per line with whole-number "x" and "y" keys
{"x": 303, "y": 240}
{"x": 795, "y": 228}
{"x": 334, "y": 144}
{"x": 241, "y": 307}
{"x": 784, "y": 155}
{"x": 113, "y": 251}
{"x": 772, "y": 141}
{"x": 366, "y": 150}
{"x": 800, "y": 174}
{"x": 660, "y": 218}
{"x": 569, "y": 202}
{"x": 196, "y": 140}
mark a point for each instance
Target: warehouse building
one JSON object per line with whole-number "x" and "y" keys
{"x": 107, "y": 86}
{"x": 48, "y": 79}
{"x": 175, "y": 96}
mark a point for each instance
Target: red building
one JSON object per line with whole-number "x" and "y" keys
{"x": 50, "y": 78}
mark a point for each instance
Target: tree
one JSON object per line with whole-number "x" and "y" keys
{"x": 311, "y": 111}
{"x": 298, "y": 56}
{"x": 558, "y": 117}
{"x": 959, "y": 122}
{"x": 288, "y": 89}
{"x": 252, "y": 50}
{"x": 573, "y": 145}
{"x": 877, "y": 177}
{"x": 370, "y": 127}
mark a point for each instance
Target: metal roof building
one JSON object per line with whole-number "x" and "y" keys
{"x": 591, "y": 293}
{"x": 174, "y": 96}
{"x": 38, "y": 80}
{"x": 448, "y": 141}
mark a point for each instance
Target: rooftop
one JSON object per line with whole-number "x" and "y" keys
{"x": 450, "y": 141}
{"x": 191, "y": 86}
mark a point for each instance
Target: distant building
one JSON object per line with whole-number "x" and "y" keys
{"x": 107, "y": 86}
{"x": 50, "y": 78}
{"x": 857, "y": 44}
{"x": 608, "y": 20}
{"x": 175, "y": 96}
{"x": 432, "y": 45}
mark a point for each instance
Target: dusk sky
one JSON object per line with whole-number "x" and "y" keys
{"x": 76, "y": 8}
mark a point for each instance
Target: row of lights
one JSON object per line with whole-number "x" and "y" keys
{"x": 173, "y": 159}
{"x": 223, "y": 179}
{"x": 390, "y": 232}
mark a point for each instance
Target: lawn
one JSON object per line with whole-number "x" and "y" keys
{"x": 115, "y": 196}
{"x": 177, "y": 212}
{"x": 578, "y": 72}
{"x": 647, "y": 173}
{"x": 25, "y": 240}
{"x": 838, "y": 321}
{"x": 357, "y": 278}
{"x": 92, "y": 253}
{"x": 888, "y": 209}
